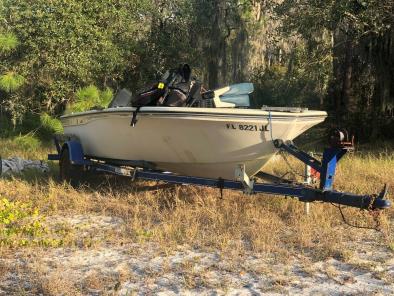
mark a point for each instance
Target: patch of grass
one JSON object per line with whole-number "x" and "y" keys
{"x": 27, "y": 147}
{"x": 27, "y": 143}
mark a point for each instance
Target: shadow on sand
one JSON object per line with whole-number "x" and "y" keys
{"x": 91, "y": 182}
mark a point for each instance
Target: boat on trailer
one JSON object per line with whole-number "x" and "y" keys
{"x": 178, "y": 126}
{"x": 177, "y": 132}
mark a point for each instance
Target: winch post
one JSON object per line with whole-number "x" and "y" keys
{"x": 340, "y": 142}
{"x": 331, "y": 156}
{"x": 339, "y": 146}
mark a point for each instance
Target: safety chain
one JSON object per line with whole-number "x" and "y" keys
{"x": 375, "y": 214}
{"x": 292, "y": 170}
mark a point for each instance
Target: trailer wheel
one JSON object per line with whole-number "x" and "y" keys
{"x": 69, "y": 172}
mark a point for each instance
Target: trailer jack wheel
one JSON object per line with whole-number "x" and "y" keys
{"x": 69, "y": 172}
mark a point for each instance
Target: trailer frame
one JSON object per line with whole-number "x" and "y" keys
{"x": 141, "y": 169}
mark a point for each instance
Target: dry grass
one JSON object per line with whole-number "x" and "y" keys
{"x": 11, "y": 148}
{"x": 197, "y": 217}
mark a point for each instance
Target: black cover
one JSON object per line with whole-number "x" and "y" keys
{"x": 149, "y": 97}
{"x": 177, "y": 88}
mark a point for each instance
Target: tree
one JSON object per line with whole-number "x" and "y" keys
{"x": 10, "y": 81}
{"x": 67, "y": 45}
{"x": 362, "y": 55}
{"x": 334, "y": 54}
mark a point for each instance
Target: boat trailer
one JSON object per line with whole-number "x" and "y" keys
{"x": 73, "y": 163}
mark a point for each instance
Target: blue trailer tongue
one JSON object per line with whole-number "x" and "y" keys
{"x": 303, "y": 193}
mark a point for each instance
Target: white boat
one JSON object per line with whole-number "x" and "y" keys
{"x": 203, "y": 142}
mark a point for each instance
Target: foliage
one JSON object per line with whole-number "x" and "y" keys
{"x": 169, "y": 40}
{"x": 91, "y": 97}
{"x": 302, "y": 82}
{"x": 67, "y": 45}
{"x": 20, "y": 224}
{"x": 50, "y": 124}
{"x": 355, "y": 35}
{"x": 10, "y": 82}
{"x": 8, "y": 42}
{"x": 27, "y": 142}
{"x": 34, "y": 127}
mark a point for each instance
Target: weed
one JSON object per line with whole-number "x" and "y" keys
{"x": 22, "y": 225}
{"x": 28, "y": 143}
{"x": 19, "y": 224}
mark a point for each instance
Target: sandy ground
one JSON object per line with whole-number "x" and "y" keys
{"x": 145, "y": 269}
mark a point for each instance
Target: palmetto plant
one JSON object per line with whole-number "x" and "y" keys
{"x": 10, "y": 81}
{"x": 90, "y": 97}
{"x": 8, "y": 42}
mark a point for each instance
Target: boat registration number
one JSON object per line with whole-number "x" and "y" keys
{"x": 248, "y": 127}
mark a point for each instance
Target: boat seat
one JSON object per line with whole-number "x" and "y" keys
{"x": 122, "y": 99}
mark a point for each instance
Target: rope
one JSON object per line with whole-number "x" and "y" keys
{"x": 292, "y": 170}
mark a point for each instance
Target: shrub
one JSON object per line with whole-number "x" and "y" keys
{"x": 90, "y": 97}
{"x": 50, "y": 124}
{"x": 27, "y": 142}
{"x": 43, "y": 126}
{"x": 22, "y": 225}
{"x": 8, "y": 42}
{"x": 10, "y": 81}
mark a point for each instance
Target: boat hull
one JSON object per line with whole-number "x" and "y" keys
{"x": 198, "y": 142}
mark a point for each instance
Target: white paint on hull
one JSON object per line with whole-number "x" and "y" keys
{"x": 190, "y": 141}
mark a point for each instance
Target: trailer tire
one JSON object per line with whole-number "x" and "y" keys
{"x": 69, "y": 172}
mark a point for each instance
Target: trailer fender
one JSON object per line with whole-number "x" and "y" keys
{"x": 75, "y": 151}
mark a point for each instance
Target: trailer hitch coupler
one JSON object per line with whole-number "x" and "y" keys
{"x": 380, "y": 201}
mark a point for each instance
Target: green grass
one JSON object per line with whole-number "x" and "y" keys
{"x": 27, "y": 147}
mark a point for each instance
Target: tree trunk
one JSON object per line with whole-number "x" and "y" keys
{"x": 346, "y": 92}
{"x": 216, "y": 47}
{"x": 334, "y": 93}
